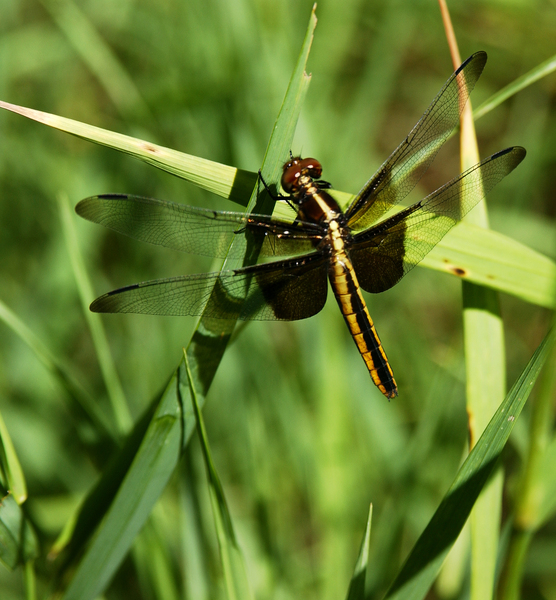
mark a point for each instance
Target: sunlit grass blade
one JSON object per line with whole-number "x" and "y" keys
{"x": 423, "y": 563}
{"x": 168, "y": 431}
{"x": 217, "y": 178}
{"x": 357, "y": 584}
{"x": 540, "y": 71}
{"x": 485, "y": 367}
{"x": 233, "y": 563}
{"x": 111, "y": 380}
{"x": 492, "y": 259}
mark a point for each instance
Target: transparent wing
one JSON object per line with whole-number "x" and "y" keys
{"x": 406, "y": 165}
{"x": 283, "y": 290}
{"x": 197, "y": 230}
{"x": 383, "y": 254}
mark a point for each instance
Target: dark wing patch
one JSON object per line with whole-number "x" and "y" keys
{"x": 406, "y": 165}
{"x": 284, "y": 290}
{"x": 380, "y": 263}
{"x": 198, "y": 230}
{"x": 383, "y": 254}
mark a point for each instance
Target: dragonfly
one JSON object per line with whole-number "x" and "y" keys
{"x": 361, "y": 248}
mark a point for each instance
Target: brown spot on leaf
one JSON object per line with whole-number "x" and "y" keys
{"x": 458, "y": 271}
{"x": 149, "y": 148}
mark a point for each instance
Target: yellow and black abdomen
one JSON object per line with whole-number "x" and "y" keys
{"x": 352, "y": 304}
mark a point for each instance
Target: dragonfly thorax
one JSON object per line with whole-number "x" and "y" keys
{"x": 300, "y": 180}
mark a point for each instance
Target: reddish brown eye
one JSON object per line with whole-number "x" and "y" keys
{"x": 290, "y": 176}
{"x": 297, "y": 166}
{"x": 312, "y": 166}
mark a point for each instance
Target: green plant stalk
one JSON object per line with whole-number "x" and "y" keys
{"x": 484, "y": 352}
{"x": 485, "y": 369}
{"x": 486, "y": 382}
{"x": 30, "y": 580}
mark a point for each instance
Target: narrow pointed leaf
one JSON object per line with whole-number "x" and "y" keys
{"x": 423, "y": 563}
{"x": 357, "y": 585}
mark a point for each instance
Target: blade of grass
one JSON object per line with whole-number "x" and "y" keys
{"x": 233, "y": 563}
{"x": 217, "y": 178}
{"x": 166, "y": 433}
{"x": 116, "y": 395}
{"x": 356, "y": 589}
{"x": 485, "y": 368}
{"x": 235, "y": 185}
{"x": 540, "y": 71}
{"x": 494, "y": 260}
{"x": 30, "y": 581}
{"x": 150, "y": 470}
{"x": 425, "y": 559}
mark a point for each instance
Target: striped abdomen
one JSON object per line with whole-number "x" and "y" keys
{"x": 348, "y": 294}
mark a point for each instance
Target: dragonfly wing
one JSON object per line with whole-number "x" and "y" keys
{"x": 383, "y": 254}
{"x": 195, "y": 230}
{"x": 284, "y": 290}
{"x": 406, "y": 165}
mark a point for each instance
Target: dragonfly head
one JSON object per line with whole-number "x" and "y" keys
{"x": 296, "y": 168}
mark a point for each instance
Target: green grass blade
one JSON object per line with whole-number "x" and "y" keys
{"x": 422, "y": 565}
{"x": 108, "y": 369}
{"x": 151, "y": 468}
{"x": 217, "y": 178}
{"x": 169, "y": 430}
{"x": 546, "y": 486}
{"x": 357, "y": 585}
{"x": 492, "y": 259}
{"x": 233, "y": 563}
{"x": 30, "y": 581}
{"x": 486, "y": 381}
{"x": 540, "y": 71}
{"x": 485, "y": 368}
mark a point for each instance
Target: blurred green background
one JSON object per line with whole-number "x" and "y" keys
{"x": 302, "y": 439}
